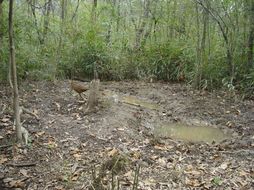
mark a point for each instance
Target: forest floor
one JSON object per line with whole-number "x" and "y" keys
{"x": 69, "y": 149}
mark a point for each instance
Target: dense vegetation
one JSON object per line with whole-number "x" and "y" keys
{"x": 208, "y": 44}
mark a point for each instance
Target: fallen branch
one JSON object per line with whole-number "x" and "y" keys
{"x": 22, "y": 164}
{"x": 131, "y": 103}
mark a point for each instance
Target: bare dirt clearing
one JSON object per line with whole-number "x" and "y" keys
{"x": 67, "y": 145}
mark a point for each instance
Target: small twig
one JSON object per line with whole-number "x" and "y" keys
{"x": 135, "y": 183}
{"x": 115, "y": 163}
{"x": 22, "y": 164}
{"x": 118, "y": 184}
{"x": 112, "y": 182}
{"x": 132, "y": 104}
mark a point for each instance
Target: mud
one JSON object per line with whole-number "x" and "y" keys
{"x": 67, "y": 145}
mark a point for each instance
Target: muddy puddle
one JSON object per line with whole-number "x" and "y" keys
{"x": 139, "y": 102}
{"x": 193, "y": 130}
{"x": 191, "y": 133}
{"x": 131, "y": 100}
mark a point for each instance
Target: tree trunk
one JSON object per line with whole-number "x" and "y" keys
{"x": 46, "y": 20}
{"x": 1, "y": 29}
{"x": 60, "y": 44}
{"x": 75, "y": 12}
{"x": 203, "y": 56}
{"x": 173, "y": 15}
{"x": 32, "y": 6}
{"x": 14, "y": 75}
{"x": 93, "y": 16}
{"x": 152, "y": 26}
{"x": 64, "y": 9}
{"x": 108, "y": 35}
{"x": 141, "y": 29}
{"x": 197, "y": 77}
{"x": 1, "y": 23}
{"x": 109, "y": 30}
{"x": 118, "y": 17}
{"x": 182, "y": 24}
{"x": 224, "y": 28}
{"x": 251, "y": 36}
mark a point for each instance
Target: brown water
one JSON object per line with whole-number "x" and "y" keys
{"x": 131, "y": 100}
{"x": 139, "y": 102}
{"x": 191, "y": 133}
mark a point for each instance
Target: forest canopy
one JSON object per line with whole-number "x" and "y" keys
{"x": 208, "y": 44}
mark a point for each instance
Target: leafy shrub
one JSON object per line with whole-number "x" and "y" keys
{"x": 81, "y": 59}
{"x": 246, "y": 85}
{"x": 162, "y": 61}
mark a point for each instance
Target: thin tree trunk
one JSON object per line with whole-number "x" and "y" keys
{"x": 94, "y": 15}
{"x": 60, "y": 44}
{"x": 141, "y": 30}
{"x": 32, "y": 6}
{"x": 1, "y": 29}
{"x": 154, "y": 31}
{"x": 152, "y": 26}
{"x": 1, "y": 23}
{"x": 118, "y": 17}
{"x": 14, "y": 73}
{"x": 203, "y": 60}
{"x": 147, "y": 34}
{"x": 75, "y": 12}
{"x": 182, "y": 28}
{"x": 10, "y": 76}
{"x": 109, "y": 30}
{"x": 224, "y": 30}
{"x": 172, "y": 32}
{"x": 197, "y": 79}
{"x": 46, "y": 19}
{"x": 208, "y": 31}
{"x": 64, "y": 9}
{"x": 251, "y": 37}
{"x": 108, "y": 35}
{"x": 203, "y": 41}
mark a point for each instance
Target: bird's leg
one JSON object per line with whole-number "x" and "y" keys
{"x": 80, "y": 96}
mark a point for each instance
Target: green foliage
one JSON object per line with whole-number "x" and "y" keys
{"x": 81, "y": 59}
{"x": 168, "y": 39}
{"x": 213, "y": 71}
{"x": 119, "y": 67}
{"x": 246, "y": 85}
{"x": 164, "y": 61}
{"x": 217, "y": 181}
